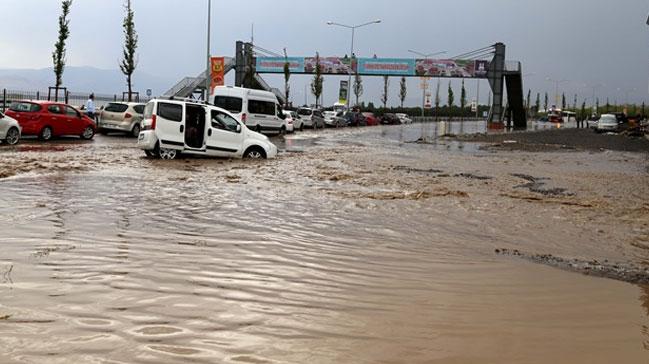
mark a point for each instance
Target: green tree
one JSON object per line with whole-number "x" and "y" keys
{"x": 642, "y": 111}
{"x": 384, "y": 96}
{"x": 450, "y": 99}
{"x": 597, "y": 106}
{"x": 403, "y": 91}
{"x": 545, "y": 102}
{"x": 129, "y": 62}
{"x": 316, "y": 84}
{"x": 563, "y": 101}
{"x": 574, "y": 103}
{"x": 538, "y": 102}
{"x": 287, "y": 77}
{"x": 607, "y": 106}
{"x": 527, "y": 103}
{"x": 582, "y": 115}
{"x": 358, "y": 86}
{"x": 462, "y": 99}
{"x": 58, "y": 56}
{"x": 437, "y": 100}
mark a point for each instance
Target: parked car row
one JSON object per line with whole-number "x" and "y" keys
{"x": 230, "y": 127}
{"x": 47, "y": 120}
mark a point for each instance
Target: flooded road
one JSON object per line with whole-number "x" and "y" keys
{"x": 354, "y": 246}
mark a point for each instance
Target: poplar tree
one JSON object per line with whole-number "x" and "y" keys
{"x": 58, "y": 56}
{"x": 384, "y": 96}
{"x": 316, "y": 84}
{"x": 287, "y": 77}
{"x": 129, "y": 62}
{"x": 462, "y": 99}
{"x": 403, "y": 91}
{"x": 450, "y": 100}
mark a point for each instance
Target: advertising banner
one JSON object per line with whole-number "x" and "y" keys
{"x": 276, "y": 64}
{"x": 217, "y": 72}
{"x": 377, "y": 66}
{"x": 386, "y": 66}
{"x": 344, "y": 92}
{"x": 451, "y": 68}
{"x": 329, "y": 65}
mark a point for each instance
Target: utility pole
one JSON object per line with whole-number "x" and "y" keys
{"x": 208, "y": 70}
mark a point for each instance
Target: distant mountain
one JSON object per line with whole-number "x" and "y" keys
{"x": 82, "y": 79}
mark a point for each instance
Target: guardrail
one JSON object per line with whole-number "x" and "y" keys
{"x": 433, "y": 119}
{"x": 71, "y": 98}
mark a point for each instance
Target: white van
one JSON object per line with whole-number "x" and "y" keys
{"x": 258, "y": 109}
{"x": 171, "y": 127}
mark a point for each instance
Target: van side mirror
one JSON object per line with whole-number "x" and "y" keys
{"x": 238, "y": 128}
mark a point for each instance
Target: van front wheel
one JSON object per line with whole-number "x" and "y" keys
{"x": 254, "y": 153}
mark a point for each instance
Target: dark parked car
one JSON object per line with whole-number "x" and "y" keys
{"x": 621, "y": 117}
{"x": 355, "y": 119}
{"x": 390, "y": 119}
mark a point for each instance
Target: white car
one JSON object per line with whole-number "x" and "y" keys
{"x": 298, "y": 124}
{"x": 330, "y": 118}
{"x": 10, "y": 130}
{"x": 258, "y": 110}
{"x": 289, "y": 122}
{"x": 404, "y": 118}
{"x": 173, "y": 127}
{"x": 607, "y": 122}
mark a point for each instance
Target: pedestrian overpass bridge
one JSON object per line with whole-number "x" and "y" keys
{"x": 501, "y": 74}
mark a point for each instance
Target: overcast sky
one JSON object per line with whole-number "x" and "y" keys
{"x": 587, "y": 42}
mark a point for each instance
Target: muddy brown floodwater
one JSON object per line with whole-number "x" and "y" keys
{"x": 354, "y": 246}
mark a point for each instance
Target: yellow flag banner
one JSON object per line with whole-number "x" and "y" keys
{"x": 218, "y": 72}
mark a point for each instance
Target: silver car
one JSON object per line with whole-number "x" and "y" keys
{"x": 10, "y": 130}
{"x": 607, "y": 122}
{"x": 122, "y": 117}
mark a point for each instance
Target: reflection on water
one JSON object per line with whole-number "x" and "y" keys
{"x": 209, "y": 261}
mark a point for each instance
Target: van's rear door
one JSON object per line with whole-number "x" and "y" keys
{"x": 170, "y": 125}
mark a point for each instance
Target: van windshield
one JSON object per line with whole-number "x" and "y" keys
{"x": 231, "y": 104}
{"x": 304, "y": 112}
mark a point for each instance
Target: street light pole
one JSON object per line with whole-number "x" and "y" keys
{"x": 351, "y": 52}
{"x": 208, "y": 73}
{"x": 424, "y": 84}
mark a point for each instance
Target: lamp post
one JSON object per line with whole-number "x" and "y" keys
{"x": 556, "y": 89}
{"x": 208, "y": 74}
{"x": 594, "y": 87}
{"x": 424, "y": 85}
{"x": 351, "y": 54}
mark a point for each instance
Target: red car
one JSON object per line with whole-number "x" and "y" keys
{"x": 371, "y": 119}
{"x": 48, "y": 119}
